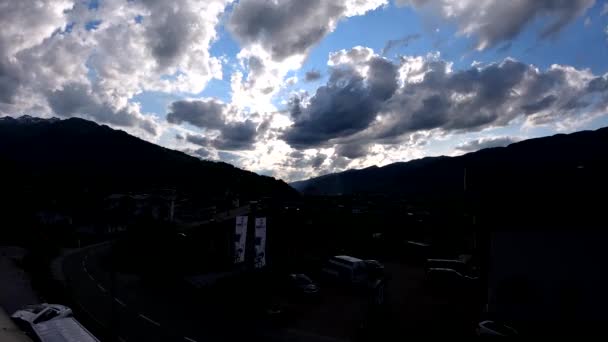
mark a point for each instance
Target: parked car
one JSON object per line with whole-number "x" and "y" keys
{"x": 492, "y": 328}
{"x": 346, "y": 269}
{"x": 456, "y": 265}
{"x": 35, "y": 314}
{"x": 302, "y": 284}
{"x": 447, "y": 277}
{"x": 51, "y": 323}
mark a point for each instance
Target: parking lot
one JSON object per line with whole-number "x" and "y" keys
{"x": 411, "y": 308}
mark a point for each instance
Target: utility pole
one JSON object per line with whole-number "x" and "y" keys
{"x": 115, "y": 321}
{"x": 465, "y": 180}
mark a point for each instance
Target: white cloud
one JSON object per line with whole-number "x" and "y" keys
{"x": 587, "y": 22}
{"x": 496, "y": 21}
{"x": 486, "y": 142}
{"x": 46, "y": 48}
{"x": 278, "y": 36}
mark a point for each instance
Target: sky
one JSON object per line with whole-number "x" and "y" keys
{"x": 296, "y": 89}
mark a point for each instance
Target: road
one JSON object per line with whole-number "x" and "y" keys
{"x": 132, "y": 311}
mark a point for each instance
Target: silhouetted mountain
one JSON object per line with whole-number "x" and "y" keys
{"x": 69, "y": 161}
{"x": 552, "y": 176}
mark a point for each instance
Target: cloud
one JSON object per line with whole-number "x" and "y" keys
{"x": 488, "y": 142}
{"x": 338, "y": 164}
{"x": 291, "y": 81}
{"x": 214, "y": 115}
{"x": 77, "y": 99}
{"x": 236, "y": 136}
{"x": 10, "y": 80}
{"x": 587, "y": 22}
{"x": 495, "y": 21}
{"x": 403, "y": 42}
{"x": 318, "y": 160}
{"x": 347, "y": 104}
{"x": 301, "y": 161}
{"x": 202, "y": 153}
{"x": 48, "y": 53}
{"x": 604, "y": 9}
{"x": 198, "y": 140}
{"x": 230, "y": 158}
{"x": 291, "y": 27}
{"x": 353, "y": 150}
{"x": 371, "y": 100}
{"x": 207, "y": 113}
{"x": 26, "y": 24}
{"x": 312, "y": 75}
{"x": 278, "y": 36}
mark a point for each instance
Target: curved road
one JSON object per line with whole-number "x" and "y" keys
{"x": 131, "y": 311}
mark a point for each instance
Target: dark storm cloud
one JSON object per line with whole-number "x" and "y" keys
{"x": 358, "y": 110}
{"x": 77, "y": 99}
{"x": 318, "y": 160}
{"x": 352, "y": 151}
{"x": 236, "y": 136}
{"x": 346, "y": 105}
{"x": 536, "y": 107}
{"x": 212, "y": 114}
{"x": 598, "y": 84}
{"x": 312, "y": 75}
{"x": 284, "y": 28}
{"x": 10, "y": 79}
{"x": 497, "y": 21}
{"x": 479, "y": 144}
{"x": 203, "y": 114}
{"x": 297, "y": 154}
{"x": 338, "y": 164}
{"x": 403, "y": 42}
{"x": 171, "y": 31}
{"x": 198, "y": 140}
{"x": 202, "y": 152}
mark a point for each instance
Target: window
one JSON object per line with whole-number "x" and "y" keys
{"x": 36, "y": 309}
{"x": 46, "y": 316}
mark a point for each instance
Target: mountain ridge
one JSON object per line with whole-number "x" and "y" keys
{"x": 73, "y": 155}
{"x": 346, "y": 182}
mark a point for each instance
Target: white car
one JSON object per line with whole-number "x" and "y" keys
{"x": 491, "y": 328}
{"x": 39, "y": 313}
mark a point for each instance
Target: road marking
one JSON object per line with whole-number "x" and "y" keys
{"x": 120, "y": 302}
{"x": 86, "y": 270}
{"x": 149, "y": 320}
{"x": 102, "y": 288}
{"x": 121, "y": 339}
{"x": 189, "y": 339}
{"x": 90, "y": 276}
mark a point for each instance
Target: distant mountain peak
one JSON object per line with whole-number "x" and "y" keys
{"x": 28, "y": 119}
{"x": 74, "y": 154}
{"x": 531, "y": 162}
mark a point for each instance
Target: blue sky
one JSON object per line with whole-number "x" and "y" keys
{"x": 227, "y": 80}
